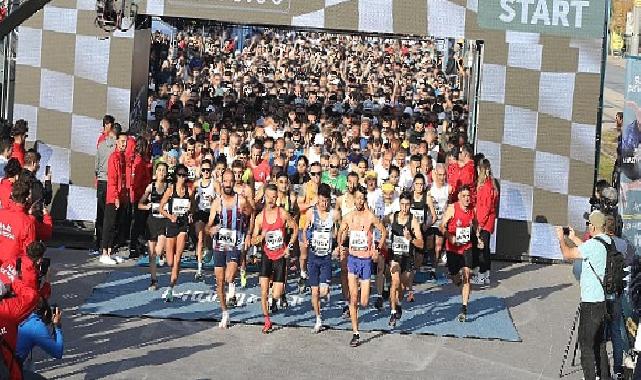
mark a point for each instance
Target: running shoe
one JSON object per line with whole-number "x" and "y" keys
{"x": 95, "y": 252}
{"x": 118, "y": 259}
{"x": 267, "y": 328}
{"x": 169, "y": 296}
{"x": 153, "y": 286}
{"x": 243, "y": 278}
{"x": 104, "y": 259}
{"x": 346, "y": 311}
{"x": 378, "y": 304}
{"x": 487, "y": 278}
{"x": 199, "y": 276}
{"x": 232, "y": 302}
{"x": 410, "y": 296}
{"x": 356, "y": 340}
{"x": 392, "y": 319}
{"x": 301, "y": 285}
{"x": 223, "y": 324}
{"x": 318, "y": 326}
{"x": 462, "y": 316}
{"x": 477, "y": 279}
{"x": 444, "y": 259}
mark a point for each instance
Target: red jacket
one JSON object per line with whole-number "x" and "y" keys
{"x": 452, "y": 180}
{"x": 18, "y": 153}
{"x": 116, "y": 178}
{"x": 467, "y": 176}
{"x": 140, "y": 177}
{"x": 17, "y": 231}
{"x": 13, "y": 311}
{"x": 44, "y": 229}
{"x": 487, "y": 199}
{"x": 5, "y": 192}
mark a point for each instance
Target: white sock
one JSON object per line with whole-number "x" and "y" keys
{"x": 200, "y": 266}
{"x": 232, "y": 290}
{"x": 225, "y": 314}
{"x": 319, "y": 320}
{"x": 393, "y": 311}
{"x": 303, "y": 274}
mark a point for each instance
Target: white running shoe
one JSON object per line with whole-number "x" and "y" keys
{"x": 94, "y": 252}
{"x": 444, "y": 259}
{"x": 486, "y": 277}
{"x": 118, "y": 259}
{"x": 478, "y": 279}
{"x": 318, "y": 326}
{"x": 161, "y": 262}
{"x": 104, "y": 259}
{"x": 224, "y": 322}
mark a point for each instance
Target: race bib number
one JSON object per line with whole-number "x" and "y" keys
{"x": 180, "y": 207}
{"x": 155, "y": 209}
{"x": 205, "y": 202}
{"x": 191, "y": 173}
{"x": 321, "y": 241}
{"x": 463, "y": 235}
{"x": 400, "y": 245}
{"x": 419, "y": 215}
{"x": 274, "y": 240}
{"x": 358, "y": 240}
{"x": 227, "y": 237}
{"x": 439, "y": 211}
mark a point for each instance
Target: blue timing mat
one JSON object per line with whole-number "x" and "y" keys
{"x": 125, "y": 294}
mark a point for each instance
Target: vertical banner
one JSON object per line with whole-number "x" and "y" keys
{"x": 630, "y": 192}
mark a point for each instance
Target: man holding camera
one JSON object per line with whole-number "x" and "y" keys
{"x": 592, "y": 319}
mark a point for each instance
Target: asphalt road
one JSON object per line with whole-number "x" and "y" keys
{"x": 541, "y": 299}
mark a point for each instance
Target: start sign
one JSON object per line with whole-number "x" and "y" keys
{"x": 573, "y": 18}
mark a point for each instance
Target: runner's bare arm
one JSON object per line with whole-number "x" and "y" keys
{"x": 449, "y": 214}
{"x": 379, "y": 225}
{"x": 431, "y": 208}
{"x": 257, "y": 236}
{"x": 291, "y": 223}
{"x": 163, "y": 202}
{"x": 142, "y": 203}
{"x": 213, "y": 211}
{"x": 418, "y": 235}
{"x": 309, "y": 217}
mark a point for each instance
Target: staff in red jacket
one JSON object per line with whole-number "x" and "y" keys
{"x": 487, "y": 199}
{"x": 19, "y": 134}
{"x": 140, "y": 178}
{"x": 467, "y": 172}
{"x": 117, "y": 197}
{"x": 17, "y": 229}
{"x": 11, "y": 172}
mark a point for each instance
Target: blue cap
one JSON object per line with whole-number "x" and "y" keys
{"x": 173, "y": 153}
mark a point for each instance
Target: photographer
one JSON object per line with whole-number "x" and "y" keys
{"x": 592, "y": 317}
{"x": 36, "y": 330}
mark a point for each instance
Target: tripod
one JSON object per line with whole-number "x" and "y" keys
{"x": 567, "y": 347}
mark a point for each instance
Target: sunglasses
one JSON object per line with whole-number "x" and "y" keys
{"x": 315, "y": 173}
{"x": 333, "y": 166}
{"x": 206, "y": 170}
{"x": 181, "y": 174}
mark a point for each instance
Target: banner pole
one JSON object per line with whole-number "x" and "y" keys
{"x": 599, "y": 117}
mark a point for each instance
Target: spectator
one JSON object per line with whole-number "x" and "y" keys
{"x": 11, "y": 172}
{"x": 6, "y": 151}
{"x": 117, "y": 196}
{"x": 19, "y": 134}
{"x": 105, "y": 148}
{"x": 18, "y": 229}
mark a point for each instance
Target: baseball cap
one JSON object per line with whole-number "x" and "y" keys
{"x": 173, "y": 153}
{"x": 371, "y": 174}
{"x": 387, "y": 187}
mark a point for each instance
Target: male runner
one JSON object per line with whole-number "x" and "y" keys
{"x": 423, "y": 210}
{"x": 358, "y": 227}
{"x": 439, "y": 193}
{"x": 269, "y": 229}
{"x": 319, "y": 232}
{"x": 229, "y": 223}
{"x": 345, "y": 205}
{"x": 204, "y": 189}
{"x": 407, "y": 238}
{"x": 242, "y": 188}
{"x": 458, "y": 222}
{"x": 307, "y": 198}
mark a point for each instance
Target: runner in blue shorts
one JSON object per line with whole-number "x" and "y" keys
{"x": 358, "y": 227}
{"x": 318, "y": 234}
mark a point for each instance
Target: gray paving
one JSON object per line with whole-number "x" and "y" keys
{"x": 541, "y": 299}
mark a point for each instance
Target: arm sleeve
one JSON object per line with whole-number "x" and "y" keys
{"x": 112, "y": 177}
{"x": 41, "y": 337}
{"x": 19, "y": 307}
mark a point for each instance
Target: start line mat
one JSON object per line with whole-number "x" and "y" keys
{"x": 434, "y": 312}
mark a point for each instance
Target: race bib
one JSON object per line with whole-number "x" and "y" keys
{"x": 358, "y": 240}
{"x": 205, "y": 202}
{"x": 419, "y": 215}
{"x": 191, "y": 173}
{"x": 463, "y": 235}
{"x": 296, "y": 188}
{"x": 227, "y": 237}
{"x": 438, "y": 210}
{"x": 180, "y": 206}
{"x": 321, "y": 241}
{"x": 400, "y": 244}
{"x": 274, "y": 240}
{"x": 155, "y": 209}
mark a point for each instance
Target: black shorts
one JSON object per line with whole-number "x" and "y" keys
{"x": 456, "y": 262}
{"x": 175, "y": 229}
{"x": 156, "y": 227}
{"x": 202, "y": 216}
{"x": 405, "y": 262}
{"x": 433, "y": 231}
{"x": 273, "y": 268}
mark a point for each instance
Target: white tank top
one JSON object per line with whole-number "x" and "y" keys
{"x": 440, "y": 196}
{"x": 205, "y": 195}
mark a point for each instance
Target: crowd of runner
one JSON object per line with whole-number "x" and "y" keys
{"x": 300, "y": 151}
